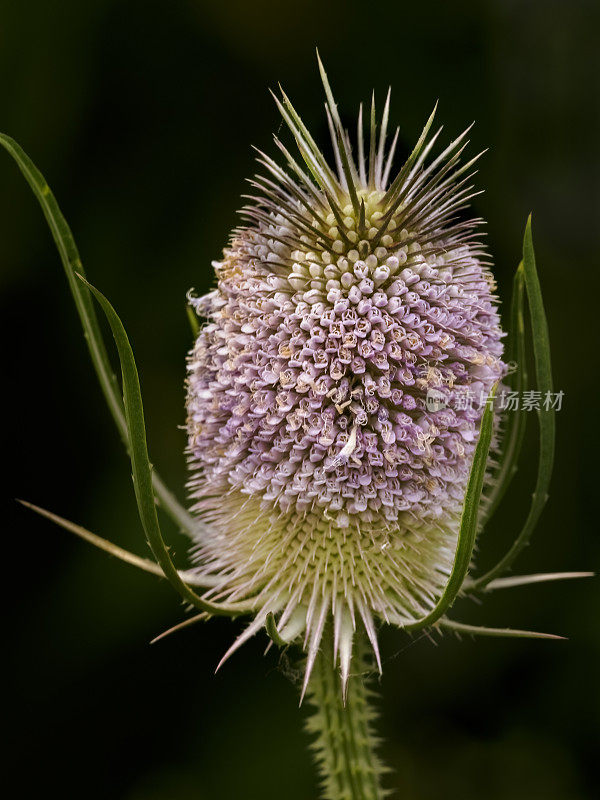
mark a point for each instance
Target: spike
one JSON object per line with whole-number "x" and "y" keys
{"x": 508, "y": 633}
{"x": 372, "y": 144}
{"x": 361, "y": 147}
{"x": 382, "y": 135}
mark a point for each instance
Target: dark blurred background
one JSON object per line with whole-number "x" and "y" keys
{"x": 141, "y": 116}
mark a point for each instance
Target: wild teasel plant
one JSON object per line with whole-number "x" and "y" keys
{"x": 337, "y": 483}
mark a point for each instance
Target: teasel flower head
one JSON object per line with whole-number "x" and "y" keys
{"x": 328, "y": 490}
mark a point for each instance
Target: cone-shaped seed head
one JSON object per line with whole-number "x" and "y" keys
{"x": 327, "y": 485}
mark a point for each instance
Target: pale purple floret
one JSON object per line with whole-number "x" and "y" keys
{"x": 324, "y": 404}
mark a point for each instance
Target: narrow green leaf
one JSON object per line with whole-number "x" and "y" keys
{"x": 65, "y": 244}
{"x": 113, "y": 549}
{"x": 468, "y": 524}
{"x": 504, "y": 633}
{"x": 546, "y": 415}
{"x": 516, "y": 420}
{"x": 142, "y": 471}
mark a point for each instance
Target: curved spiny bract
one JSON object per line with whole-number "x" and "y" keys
{"x": 329, "y": 487}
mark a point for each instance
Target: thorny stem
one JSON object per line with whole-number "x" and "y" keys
{"x": 345, "y": 743}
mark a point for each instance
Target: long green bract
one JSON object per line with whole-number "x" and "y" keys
{"x": 71, "y": 261}
{"x": 546, "y": 416}
{"x": 141, "y": 468}
{"x": 503, "y": 633}
{"x": 515, "y": 426}
{"x": 540, "y": 577}
{"x": 468, "y": 523}
{"x": 114, "y": 550}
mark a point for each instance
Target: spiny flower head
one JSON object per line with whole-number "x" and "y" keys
{"x": 328, "y": 489}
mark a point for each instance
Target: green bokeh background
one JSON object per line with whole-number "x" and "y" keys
{"x": 141, "y": 115}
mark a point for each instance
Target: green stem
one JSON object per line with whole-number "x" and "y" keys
{"x": 345, "y": 742}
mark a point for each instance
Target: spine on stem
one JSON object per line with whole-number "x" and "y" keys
{"x": 345, "y": 743}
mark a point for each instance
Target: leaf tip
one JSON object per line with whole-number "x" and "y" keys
{"x": 528, "y": 224}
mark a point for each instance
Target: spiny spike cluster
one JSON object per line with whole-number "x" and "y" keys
{"x": 327, "y": 486}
